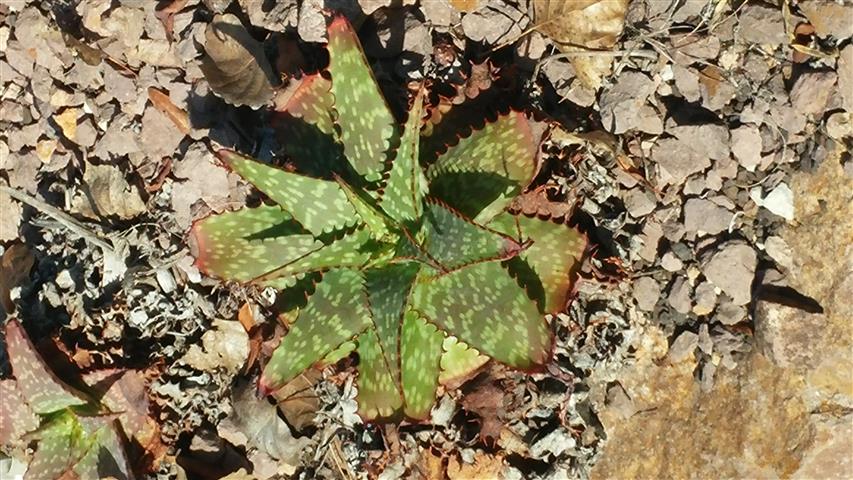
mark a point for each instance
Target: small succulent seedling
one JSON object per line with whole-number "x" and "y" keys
{"x": 76, "y": 438}
{"x": 423, "y": 269}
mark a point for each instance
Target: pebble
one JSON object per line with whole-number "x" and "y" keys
{"x": 760, "y": 24}
{"x": 746, "y": 146}
{"x": 780, "y": 201}
{"x": 64, "y": 280}
{"x": 646, "y": 293}
{"x": 706, "y": 217}
{"x": 811, "y": 92}
{"x": 705, "y": 299}
{"x": 679, "y": 295}
{"x": 732, "y": 269}
{"x": 671, "y": 263}
{"x": 677, "y": 160}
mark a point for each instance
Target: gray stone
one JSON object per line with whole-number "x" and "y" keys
{"x": 730, "y": 314}
{"x": 679, "y": 295}
{"x": 671, "y": 263}
{"x": 683, "y": 347}
{"x": 705, "y": 299}
{"x": 624, "y": 107}
{"x": 760, "y": 24}
{"x": 646, "y": 293}
{"x": 746, "y": 146}
{"x": 811, "y": 92}
{"x": 640, "y": 202}
{"x": 706, "y": 217}
{"x": 829, "y": 17}
{"x": 732, "y": 269}
{"x": 710, "y": 139}
{"x": 845, "y": 77}
{"x": 677, "y": 160}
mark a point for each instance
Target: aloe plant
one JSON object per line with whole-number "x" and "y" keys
{"x": 76, "y": 437}
{"x": 422, "y": 270}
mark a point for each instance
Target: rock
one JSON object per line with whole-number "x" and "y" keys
{"x": 840, "y": 125}
{"x": 829, "y": 456}
{"x": 811, "y": 92}
{"x": 779, "y": 251}
{"x": 683, "y": 347}
{"x": 705, "y": 299}
{"x": 709, "y": 138}
{"x": 829, "y": 17}
{"x": 679, "y": 295}
{"x": 751, "y": 424}
{"x": 732, "y": 269}
{"x": 845, "y": 77}
{"x": 640, "y": 202}
{"x": 493, "y": 23}
{"x": 439, "y": 13}
{"x": 760, "y": 24}
{"x": 670, "y": 262}
{"x": 646, "y": 293}
{"x": 746, "y": 146}
{"x": 730, "y": 314}
{"x": 780, "y": 201}
{"x": 687, "y": 82}
{"x": 624, "y": 107}
{"x": 706, "y": 217}
{"x": 677, "y": 161}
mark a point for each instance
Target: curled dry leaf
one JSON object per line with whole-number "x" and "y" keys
{"x": 164, "y": 104}
{"x": 14, "y": 268}
{"x": 107, "y": 193}
{"x": 234, "y": 63}
{"x": 578, "y": 25}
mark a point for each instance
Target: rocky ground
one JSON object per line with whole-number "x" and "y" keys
{"x": 704, "y": 148}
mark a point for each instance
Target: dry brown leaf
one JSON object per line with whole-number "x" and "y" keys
{"x": 486, "y": 400}
{"x": 234, "y": 63}
{"x": 14, "y": 268}
{"x": 107, "y": 193}
{"x": 166, "y": 15}
{"x": 163, "y": 103}
{"x": 485, "y": 466}
{"x": 67, "y": 121}
{"x": 10, "y": 217}
{"x": 429, "y": 467}
{"x": 297, "y": 400}
{"x": 578, "y": 25}
{"x": 464, "y": 5}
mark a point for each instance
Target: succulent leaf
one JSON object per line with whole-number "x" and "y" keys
{"x": 43, "y": 390}
{"x": 553, "y": 268}
{"x": 370, "y": 215}
{"x": 307, "y": 131}
{"x": 318, "y": 205}
{"x": 353, "y": 250}
{"x": 388, "y": 290}
{"x": 407, "y": 185}
{"x": 420, "y": 353}
{"x": 486, "y": 309}
{"x": 335, "y": 313}
{"x": 16, "y": 417}
{"x": 458, "y": 360}
{"x": 378, "y": 391}
{"x": 482, "y": 173}
{"x": 265, "y": 237}
{"x": 453, "y": 241}
{"x": 367, "y": 126}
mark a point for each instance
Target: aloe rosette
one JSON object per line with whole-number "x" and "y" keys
{"x": 411, "y": 257}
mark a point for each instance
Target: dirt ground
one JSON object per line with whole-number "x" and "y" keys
{"x": 703, "y": 149}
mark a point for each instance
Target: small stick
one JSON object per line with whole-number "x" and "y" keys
{"x": 65, "y": 219}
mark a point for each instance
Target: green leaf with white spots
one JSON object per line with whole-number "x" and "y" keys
{"x": 306, "y": 129}
{"x": 266, "y": 237}
{"x": 318, "y": 205}
{"x": 485, "y": 308}
{"x": 16, "y": 417}
{"x": 354, "y": 250}
{"x": 388, "y": 290}
{"x": 458, "y": 360}
{"x": 553, "y": 258}
{"x": 406, "y": 185}
{"x": 375, "y": 220}
{"x": 420, "y": 352}
{"x": 452, "y": 241}
{"x": 482, "y": 173}
{"x": 42, "y": 389}
{"x": 366, "y": 124}
{"x": 335, "y": 313}
{"x": 378, "y": 391}
{"x": 339, "y": 353}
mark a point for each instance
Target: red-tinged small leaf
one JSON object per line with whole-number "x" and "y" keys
{"x": 378, "y": 394}
{"x": 482, "y": 173}
{"x": 318, "y": 205}
{"x": 420, "y": 350}
{"x": 367, "y": 126}
{"x": 16, "y": 417}
{"x": 483, "y": 306}
{"x": 335, "y": 313}
{"x": 248, "y": 243}
{"x": 177, "y": 115}
{"x": 43, "y": 391}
